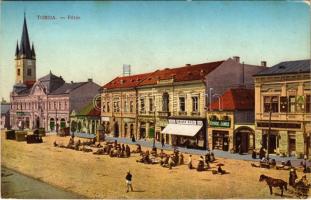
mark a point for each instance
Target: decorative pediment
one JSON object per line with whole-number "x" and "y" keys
{"x": 37, "y": 89}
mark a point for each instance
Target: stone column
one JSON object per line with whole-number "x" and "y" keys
{"x": 283, "y": 142}
{"x": 299, "y": 144}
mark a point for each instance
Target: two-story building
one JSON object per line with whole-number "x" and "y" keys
{"x": 170, "y": 103}
{"x": 282, "y": 96}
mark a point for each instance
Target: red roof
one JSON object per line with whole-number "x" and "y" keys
{"x": 186, "y": 73}
{"x": 126, "y": 81}
{"x": 94, "y": 112}
{"x": 29, "y": 84}
{"x": 236, "y": 99}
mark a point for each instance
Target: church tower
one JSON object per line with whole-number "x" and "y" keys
{"x": 25, "y": 59}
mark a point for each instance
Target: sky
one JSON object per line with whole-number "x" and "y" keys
{"x": 149, "y": 35}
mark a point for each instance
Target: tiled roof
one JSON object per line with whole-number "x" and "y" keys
{"x": 186, "y": 73}
{"x": 126, "y": 81}
{"x": 288, "y": 67}
{"x": 235, "y": 99}
{"x": 67, "y": 88}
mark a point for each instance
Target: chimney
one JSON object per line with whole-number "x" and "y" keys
{"x": 264, "y": 63}
{"x": 236, "y": 59}
{"x": 89, "y": 80}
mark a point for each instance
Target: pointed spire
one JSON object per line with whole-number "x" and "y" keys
{"x": 33, "y": 53}
{"x": 17, "y": 49}
{"x": 25, "y": 44}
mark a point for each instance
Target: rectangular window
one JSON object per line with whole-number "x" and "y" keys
{"x": 125, "y": 106}
{"x": 18, "y": 72}
{"x": 118, "y": 106}
{"x": 308, "y": 103}
{"x": 104, "y": 107}
{"x": 195, "y": 105}
{"x": 283, "y": 104}
{"x": 131, "y": 106}
{"x": 151, "y": 104}
{"x": 108, "y": 107}
{"x": 182, "y": 107}
{"x": 142, "y": 105}
{"x": 114, "y": 106}
{"x": 28, "y": 72}
{"x": 292, "y": 103}
{"x": 273, "y": 102}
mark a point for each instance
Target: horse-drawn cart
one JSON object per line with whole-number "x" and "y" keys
{"x": 301, "y": 190}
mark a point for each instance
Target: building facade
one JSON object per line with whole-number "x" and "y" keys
{"x": 154, "y": 105}
{"x": 231, "y": 121}
{"x": 282, "y": 95}
{"x": 48, "y": 101}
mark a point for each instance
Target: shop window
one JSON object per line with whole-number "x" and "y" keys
{"x": 182, "y": 107}
{"x": 195, "y": 104}
{"x": 292, "y": 104}
{"x": 165, "y": 102}
{"x": 308, "y": 103}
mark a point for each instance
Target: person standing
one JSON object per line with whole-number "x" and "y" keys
{"x": 162, "y": 141}
{"x": 128, "y": 180}
{"x": 190, "y": 162}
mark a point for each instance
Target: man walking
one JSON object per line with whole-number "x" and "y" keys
{"x": 128, "y": 180}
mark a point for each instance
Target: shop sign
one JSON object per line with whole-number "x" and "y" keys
{"x": 219, "y": 123}
{"x": 185, "y": 122}
{"x": 105, "y": 119}
{"x": 21, "y": 113}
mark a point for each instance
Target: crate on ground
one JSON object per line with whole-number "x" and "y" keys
{"x": 10, "y": 134}
{"x": 20, "y": 135}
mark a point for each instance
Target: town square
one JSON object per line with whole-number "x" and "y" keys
{"x": 155, "y": 100}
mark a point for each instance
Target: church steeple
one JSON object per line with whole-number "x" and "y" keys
{"x": 17, "y": 49}
{"x": 25, "y": 59}
{"x": 25, "y": 50}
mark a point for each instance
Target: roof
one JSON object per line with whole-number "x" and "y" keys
{"x": 89, "y": 110}
{"x": 186, "y": 73}
{"x": 126, "y": 81}
{"x": 288, "y": 67}
{"x": 67, "y": 88}
{"x": 51, "y": 82}
{"x": 236, "y": 99}
{"x": 24, "y": 48}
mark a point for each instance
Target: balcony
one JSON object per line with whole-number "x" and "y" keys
{"x": 195, "y": 113}
{"x": 182, "y": 113}
{"x": 164, "y": 113}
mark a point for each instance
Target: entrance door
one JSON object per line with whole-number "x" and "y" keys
{"x": 241, "y": 141}
{"x": 291, "y": 144}
{"x": 226, "y": 144}
{"x": 37, "y": 122}
{"x": 272, "y": 142}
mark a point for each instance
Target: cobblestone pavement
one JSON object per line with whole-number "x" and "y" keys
{"x": 218, "y": 153}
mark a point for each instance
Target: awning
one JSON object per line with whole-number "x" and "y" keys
{"x": 182, "y": 129}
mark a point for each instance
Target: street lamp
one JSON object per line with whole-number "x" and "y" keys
{"x": 269, "y": 130}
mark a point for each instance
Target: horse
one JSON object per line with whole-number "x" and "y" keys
{"x": 272, "y": 182}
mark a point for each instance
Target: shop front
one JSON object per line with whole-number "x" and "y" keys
{"x": 221, "y": 133}
{"x": 220, "y": 140}
{"x": 186, "y": 132}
